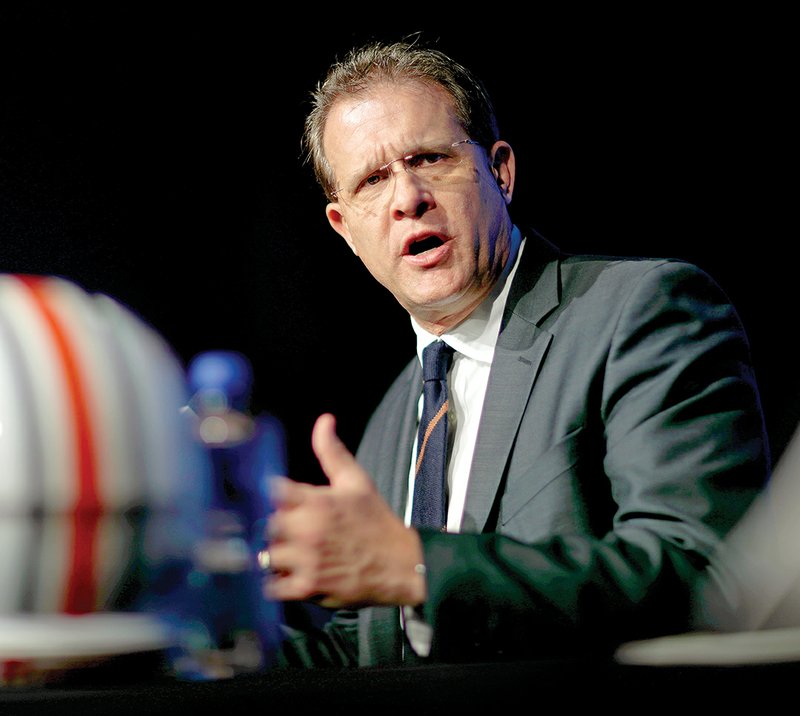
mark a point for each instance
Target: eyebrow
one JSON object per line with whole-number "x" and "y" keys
{"x": 422, "y": 146}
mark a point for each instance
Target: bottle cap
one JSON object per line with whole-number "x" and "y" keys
{"x": 220, "y": 380}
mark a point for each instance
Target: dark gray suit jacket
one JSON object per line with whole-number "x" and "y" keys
{"x": 621, "y": 438}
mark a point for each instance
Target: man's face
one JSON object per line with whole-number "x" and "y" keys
{"x": 463, "y": 222}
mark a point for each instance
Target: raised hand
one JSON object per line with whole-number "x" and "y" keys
{"x": 340, "y": 544}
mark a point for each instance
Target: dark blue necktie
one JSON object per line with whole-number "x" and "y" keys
{"x": 429, "y": 508}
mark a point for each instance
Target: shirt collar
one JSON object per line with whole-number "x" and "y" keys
{"x": 476, "y": 335}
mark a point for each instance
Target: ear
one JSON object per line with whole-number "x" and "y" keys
{"x": 503, "y": 168}
{"x": 339, "y": 224}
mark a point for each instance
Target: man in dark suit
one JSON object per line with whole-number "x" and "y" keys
{"x": 605, "y": 427}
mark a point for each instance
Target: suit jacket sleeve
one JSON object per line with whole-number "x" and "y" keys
{"x": 654, "y": 390}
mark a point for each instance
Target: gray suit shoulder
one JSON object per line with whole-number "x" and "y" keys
{"x": 626, "y": 275}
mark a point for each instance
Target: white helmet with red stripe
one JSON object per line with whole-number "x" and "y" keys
{"x": 92, "y": 447}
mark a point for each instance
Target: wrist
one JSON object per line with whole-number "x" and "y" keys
{"x": 411, "y": 572}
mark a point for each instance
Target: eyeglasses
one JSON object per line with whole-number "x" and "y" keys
{"x": 438, "y": 163}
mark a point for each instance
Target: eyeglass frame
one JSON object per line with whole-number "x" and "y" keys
{"x": 404, "y": 158}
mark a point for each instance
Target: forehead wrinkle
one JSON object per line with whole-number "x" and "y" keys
{"x": 359, "y": 119}
{"x": 375, "y": 112}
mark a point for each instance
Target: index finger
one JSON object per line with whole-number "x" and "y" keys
{"x": 285, "y": 492}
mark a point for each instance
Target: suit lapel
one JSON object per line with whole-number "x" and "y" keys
{"x": 403, "y": 436}
{"x": 520, "y": 349}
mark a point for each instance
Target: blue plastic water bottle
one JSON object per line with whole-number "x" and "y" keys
{"x": 246, "y": 452}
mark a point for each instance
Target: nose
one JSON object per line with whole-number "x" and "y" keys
{"x": 411, "y": 197}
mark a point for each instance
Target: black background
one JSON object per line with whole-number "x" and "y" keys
{"x": 153, "y": 153}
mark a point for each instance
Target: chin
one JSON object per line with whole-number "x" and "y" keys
{"x": 433, "y": 308}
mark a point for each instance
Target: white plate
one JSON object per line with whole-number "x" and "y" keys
{"x": 62, "y": 636}
{"x": 715, "y": 649}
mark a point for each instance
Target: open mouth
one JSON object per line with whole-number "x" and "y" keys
{"x": 425, "y": 244}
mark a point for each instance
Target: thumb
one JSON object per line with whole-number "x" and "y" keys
{"x": 337, "y": 462}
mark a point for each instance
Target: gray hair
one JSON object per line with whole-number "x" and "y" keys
{"x": 374, "y": 63}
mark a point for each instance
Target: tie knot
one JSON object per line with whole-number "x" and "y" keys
{"x": 436, "y": 361}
